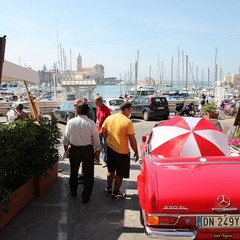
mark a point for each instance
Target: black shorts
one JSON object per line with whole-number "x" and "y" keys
{"x": 118, "y": 162}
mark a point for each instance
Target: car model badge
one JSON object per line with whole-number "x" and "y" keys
{"x": 223, "y": 201}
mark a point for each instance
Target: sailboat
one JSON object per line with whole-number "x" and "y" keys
{"x": 142, "y": 90}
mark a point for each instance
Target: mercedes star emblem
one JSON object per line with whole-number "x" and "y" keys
{"x": 223, "y": 201}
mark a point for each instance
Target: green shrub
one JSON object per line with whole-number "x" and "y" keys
{"x": 209, "y": 108}
{"x": 27, "y": 149}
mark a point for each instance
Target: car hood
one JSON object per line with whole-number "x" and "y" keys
{"x": 195, "y": 187}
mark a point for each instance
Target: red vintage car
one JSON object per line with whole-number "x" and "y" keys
{"x": 184, "y": 196}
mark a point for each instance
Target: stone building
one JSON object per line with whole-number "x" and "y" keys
{"x": 82, "y": 73}
{"x": 96, "y": 72}
{"x": 233, "y": 80}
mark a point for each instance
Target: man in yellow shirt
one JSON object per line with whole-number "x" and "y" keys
{"x": 118, "y": 131}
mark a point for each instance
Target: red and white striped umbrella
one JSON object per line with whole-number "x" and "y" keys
{"x": 188, "y": 137}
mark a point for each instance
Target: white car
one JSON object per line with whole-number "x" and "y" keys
{"x": 113, "y": 104}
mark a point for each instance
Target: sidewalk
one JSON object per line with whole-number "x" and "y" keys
{"x": 58, "y": 216}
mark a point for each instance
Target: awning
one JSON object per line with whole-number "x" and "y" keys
{"x": 14, "y": 72}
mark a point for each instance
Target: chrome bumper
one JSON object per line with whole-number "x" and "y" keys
{"x": 164, "y": 234}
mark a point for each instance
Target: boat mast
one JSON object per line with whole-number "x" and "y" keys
{"x": 182, "y": 65}
{"x": 208, "y": 76}
{"x": 70, "y": 59}
{"x": 58, "y": 51}
{"x": 196, "y": 76}
{"x": 61, "y": 58}
{"x": 186, "y": 72}
{"x": 178, "y": 77}
{"x": 158, "y": 76}
{"x": 136, "y": 75}
{"x": 215, "y": 69}
{"x": 150, "y": 81}
{"x": 171, "y": 74}
{"x": 162, "y": 73}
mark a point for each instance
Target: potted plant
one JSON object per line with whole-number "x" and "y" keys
{"x": 27, "y": 150}
{"x": 235, "y": 141}
{"x": 210, "y": 111}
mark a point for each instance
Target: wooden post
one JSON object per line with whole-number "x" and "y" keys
{"x": 35, "y": 111}
{"x": 2, "y": 53}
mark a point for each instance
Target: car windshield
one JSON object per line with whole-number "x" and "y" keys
{"x": 116, "y": 102}
{"x": 158, "y": 101}
{"x": 67, "y": 105}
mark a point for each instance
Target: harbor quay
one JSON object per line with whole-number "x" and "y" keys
{"x": 47, "y": 107}
{"x": 56, "y": 215}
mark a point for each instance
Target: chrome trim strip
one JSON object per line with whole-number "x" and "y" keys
{"x": 163, "y": 233}
{"x": 188, "y": 215}
{"x": 225, "y": 209}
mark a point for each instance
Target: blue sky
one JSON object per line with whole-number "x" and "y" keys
{"x": 111, "y": 32}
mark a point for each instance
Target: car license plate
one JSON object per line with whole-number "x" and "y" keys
{"x": 160, "y": 107}
{"x": 220, "y": 221}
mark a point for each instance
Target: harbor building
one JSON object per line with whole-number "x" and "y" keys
{"x": 96, "y": 72}
{"x": 77, "y": 83}
{"x": 81, "y": 82}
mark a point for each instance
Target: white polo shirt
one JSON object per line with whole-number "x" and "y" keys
{"x": 81, "y": 131}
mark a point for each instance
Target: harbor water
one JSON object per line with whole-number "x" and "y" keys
{"x": 113, "y": 91}
{"x": 110, "y": 91}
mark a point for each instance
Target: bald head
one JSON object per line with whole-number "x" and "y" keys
{"x": 98, "y": 98}
{"x": 77, "y": 101}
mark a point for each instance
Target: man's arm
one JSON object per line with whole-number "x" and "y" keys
{"x": 133, "y": 144}
{"x": 104, "y": 132}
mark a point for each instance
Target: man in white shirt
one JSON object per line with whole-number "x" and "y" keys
{"x": 82, "y": 136}
{"x": 21, "y": 99}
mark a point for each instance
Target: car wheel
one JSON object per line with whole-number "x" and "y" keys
{"x": 166, "y": 117}
{"x": 146, "y": 116}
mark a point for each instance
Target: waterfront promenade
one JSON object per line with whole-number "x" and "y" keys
{"x": 58, "y": 216}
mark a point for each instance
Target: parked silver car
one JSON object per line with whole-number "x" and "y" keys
{"x": 113, "y": 104}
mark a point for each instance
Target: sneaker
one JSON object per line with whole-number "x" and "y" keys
{"x": 108, "y": 191}
{"x": 118, "y": 196}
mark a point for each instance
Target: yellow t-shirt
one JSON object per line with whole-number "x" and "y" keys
{"x": 118, "y": 128}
